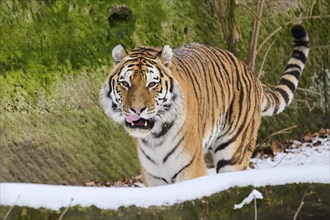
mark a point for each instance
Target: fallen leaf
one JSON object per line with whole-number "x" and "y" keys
{"x": 307, "y": 137}
{"x": 317, "y": 143}
{"x": 251, "y": 165}
{"x": 276, "y": 147}
{"x": 90, "y": 183}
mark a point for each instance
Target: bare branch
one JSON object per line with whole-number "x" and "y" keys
{"x": 282, "y": 131}
{"x": 10, "y": 209}
{"x": 226, "y": 15}
{"x": 300, "y": 206}
{"x": 280, "y": 160}
{"x": 254, "y": 36}
{"x": 263, "y": 61}
{"x": 309, "y": 91}
{"x": 319, "y": 46}
{"x": 286, "y": 24}
{"x": 255, "y": 209}
{"x": 65, "y": 210}
{"x": 268, "y": 85}
{"x": 219, "y": 10}
{"x": 255, "y": 15}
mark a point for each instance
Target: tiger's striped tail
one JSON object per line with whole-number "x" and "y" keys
{"x": 275, "y": 101}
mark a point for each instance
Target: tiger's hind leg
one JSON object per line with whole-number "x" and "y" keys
{"x": 235, "y": 155}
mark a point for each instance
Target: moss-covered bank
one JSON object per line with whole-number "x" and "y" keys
{"x": 279, "y": 202}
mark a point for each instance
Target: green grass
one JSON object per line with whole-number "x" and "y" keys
{"x": 64, "y": 148}
{"x": 64, "y": 137}
{"x": 279, "y": 202}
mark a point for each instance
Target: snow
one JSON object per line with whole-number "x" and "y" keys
{"x": 302, "y": 165}
{"x": 255, "y": 194}
{"x": 300, "y": 156}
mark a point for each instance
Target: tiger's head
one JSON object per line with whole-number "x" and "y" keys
{"x": 140, "y": 91}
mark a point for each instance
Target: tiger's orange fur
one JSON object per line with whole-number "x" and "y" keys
{"x": 178, "y": 105}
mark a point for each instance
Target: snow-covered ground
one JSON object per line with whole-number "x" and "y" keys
{"x": 305, "y": 164}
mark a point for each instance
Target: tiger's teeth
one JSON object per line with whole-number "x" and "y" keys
{"x": 145, "y": 124}
{"x": 132, "y": 123}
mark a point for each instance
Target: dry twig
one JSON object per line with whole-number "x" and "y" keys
{"x": 65, "y": 210}
{"x": 320, "y": 46}
{"x": 255, "y": 209}
{"x": 263, "y": 61}
{"x": 286, "y": 24}
{"x": 280, "y": 161}
{"x": 10, "y": 210}
{"x": 249, "y": 9}
{"x": 300, "y": 206}
{"x": 254, "y": 36}
{"x": 282, "y": 131}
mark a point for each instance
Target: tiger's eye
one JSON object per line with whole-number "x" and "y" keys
{"x": 152, "y": 84}
{"x": 124, "y": 84}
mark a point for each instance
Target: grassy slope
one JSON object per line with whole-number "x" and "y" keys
{"x": 59, "y": 147}
{"x": 63, "y": 144}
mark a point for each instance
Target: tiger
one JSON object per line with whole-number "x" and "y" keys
{"x": 178, "y": 105}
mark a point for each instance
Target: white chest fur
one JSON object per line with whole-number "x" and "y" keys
{"x": 162, "y": 158}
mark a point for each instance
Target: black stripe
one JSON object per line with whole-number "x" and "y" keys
{"x": 164, "y": 99}
{"x": 288, "y": 83}
{"x": 233, "y": 59}
{"x": 144, "y": 141}
{"x": 203, "y": 74}
{"x": 187, "y": 61}
{"x": 150, "y": 55}
{"x": 223, "y": 163}
{"x": 216, "y": 72}
{"x": 114, "y": 106}
{"x": 219, "y": 54}
{"x": 171, "y": 84}
{"x": 267, "y": 103}
{"x": 208, "y": 89}
{"x": 292, "y": 65}
{"x": 186, "y": 166}
{"x": 110, "y": 89}
{"x": 228, "y": 116}
{"x": 300, "y": 43}
{"x": 240, "y": 129}
{"x": 156, "y": 177}
{"x": 294, "y": 73}
{"x": 242, "y": 126}
{"x": 299, "y": 55}
{"x": 151, "y": 61}
{"x": 160, "y": 72}
{"x": 185, "y": 69}
{"x": 222, "y": 146}
{"x": 277, "y": 103}
{"x": 242, "y": 153}
{"x": 284, "y": 94}
{"x": 147, "y": 156}
{"x": 173, "y": 149}
{"x": 166, "y": 89}
{"x": 165, "y": 128}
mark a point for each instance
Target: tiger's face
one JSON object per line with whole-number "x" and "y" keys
{"x": 140, "y": 89}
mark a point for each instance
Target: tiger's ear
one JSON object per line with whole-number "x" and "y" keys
{"x": 118, "y": 53}
{"x": 166, "y": 56}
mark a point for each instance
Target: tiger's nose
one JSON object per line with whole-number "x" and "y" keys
{"x": 138, "y": 110}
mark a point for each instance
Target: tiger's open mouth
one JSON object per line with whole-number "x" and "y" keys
{"x": 135, "y": 121}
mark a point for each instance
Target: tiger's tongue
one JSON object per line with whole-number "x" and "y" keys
{"x": 132, "y": 118}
